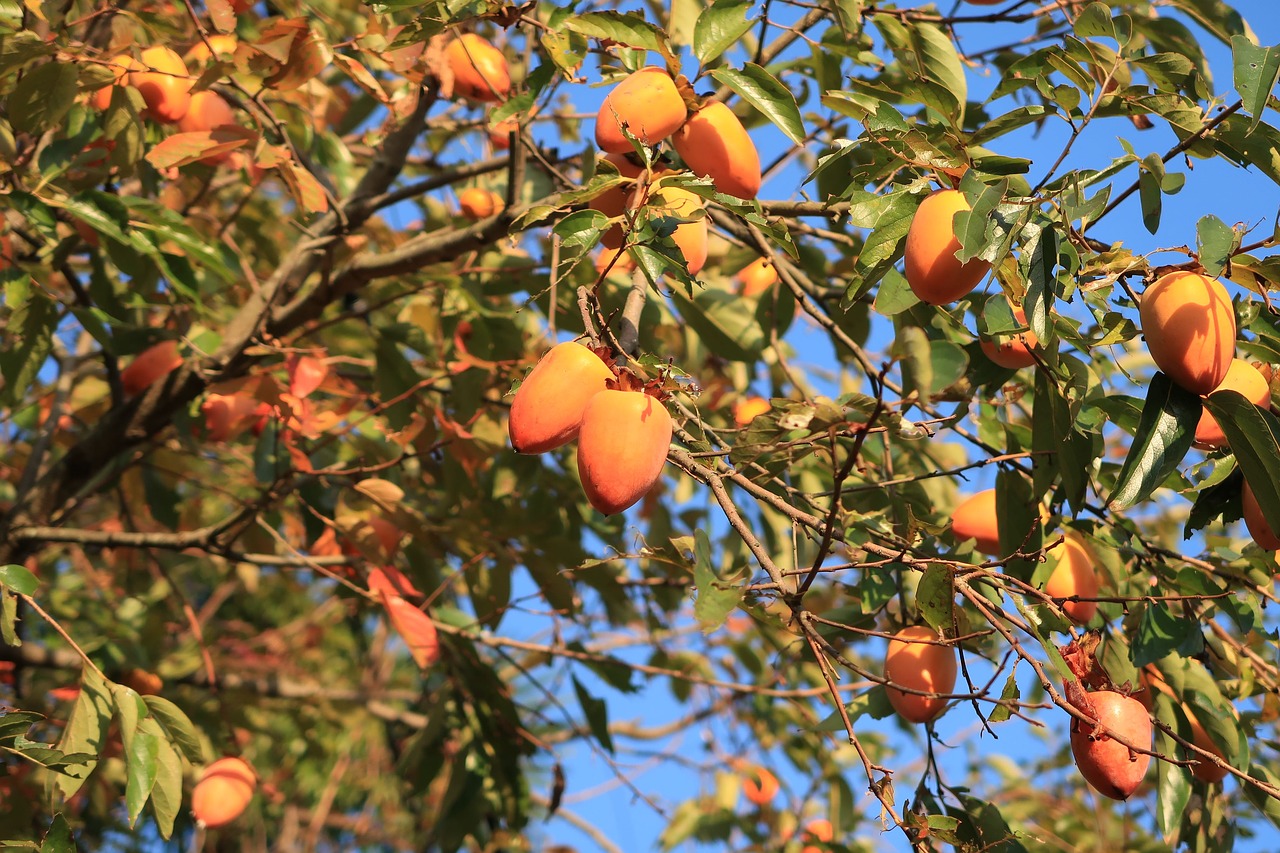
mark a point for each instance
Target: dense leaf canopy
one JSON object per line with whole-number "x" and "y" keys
{"x": 266, "y": 312}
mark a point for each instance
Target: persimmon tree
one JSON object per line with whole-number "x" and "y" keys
{"x": 274, "y": 577}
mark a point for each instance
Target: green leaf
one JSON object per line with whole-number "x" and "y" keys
{"x": 762, "y": 90}
{"x": 716, "y": 598}
{"x": 1173, "y": 783}
{"x": 1152, "y": 202}
{"x": 18, "y": 579}
{"x": 725, "y": 322}
{"x": 597, "y": 714}
{"x": 140, "y": 769}
{"x": 1165, "y": 433}
{"x": 1257, "y": 70}
{"x": 720, "y": 27}
{"x": 936, "y": 596}
{"x": 43, "y": 97}
{"x": 86, "y": 729}
{"x": 1095, "y": 22}
{"x": 59, "y": 838}
{"x": 179, "y": 728}
{"x": 630, "y": 30}
{"x": 937, "y": 60}
{"x": 894, "y": 295}
{"x": 1254, "y": 436}
{"x": 1215, "y": 242}
{"x": 166, "y": 793}
{"x": 1009, "y": 693}
{"x": 1264, "y": 802}
{"x": 1161, "y": 632}
{"x": 911, "y": 346}
{"x": 1040, "y": 255}
{"x": 873, "y": 703}
{"x": 9, "y": 618}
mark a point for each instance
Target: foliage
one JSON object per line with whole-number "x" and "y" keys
{"x": 311, "y": 545}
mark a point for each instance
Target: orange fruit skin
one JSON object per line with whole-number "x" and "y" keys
{"x": 757, "y": 277}
{"x": 1012, "y": 351}
{"x": 223, "y": 793}
{"x": 690, "y": 237}
{"x": 745, "y": 411}
{"x": 933, "y": 272}
{"x": 477, "y": 204}
{"x": 1203, "y": 770}
{"x": 913, "y": 662}
{"x": 208, "y": 110}
{"x": 817, "y": 830}
{"x": 759, "y": 786}
{"x": 1245, "y": 378}
{"x": 714, "y": 144}
{"x": 121, "y": 65}
{"x": 1075, "y": 575}
{"x": 548, "y": 407}
{"x": 613, "y": 201}
{"x": 223, "y": 44}
{"x": 479, "y": 69}
{"x": 1262, "y": 534}
{"x": 165, "y": 84}
{"x": 1106, "y": 764}
{"x": 648, "y": 102}
{"x": 148, "y": 366}
{"x": 142, "y": 682}
{"x": 975, "y": 518}
{"x": 622, "y": 447}
{"x": 624, "y": 264}
{"x": 1190, "y": 328}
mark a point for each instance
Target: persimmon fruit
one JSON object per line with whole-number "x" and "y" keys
{"x": 479, "y": 69}
{"x": 164, "y": 82}
{"x": 1012, "y": 351}
{"x": 476, "y": 203}
{"x": 227, "y": 416}
{"x": 1190, "y": 329}
{"x": 149, "y": 365}
{"x": 648, "y": 103}
{"x": 1112, "y": 768}
{"x": 934, "y": 274}
{"x": 213, "y": 45}
{"x": 1075, "y": 575}
{"x": 819, "y": 830}
{"x": 121, "y": 66}
{"x": 975, "y": 518}
{"x": 622, "y": 446}
{"x": 613, "y": 201}
{"x": 1259, "y": 529}
{"x": 1205, "y": 771}
{"x": 748, "y": 409}
{"x": 1242, "y": 377}
{"x": 916, "y": 661}
{"x": 223, "y": 792}
{"x": 759, "y": 785}
{"x": 714, "y": 144}
{"x": 691, "y": 236}
{"x": 757, "y": 277}
{"x": 548, "y": 407}
{"x": 208, "y": 111}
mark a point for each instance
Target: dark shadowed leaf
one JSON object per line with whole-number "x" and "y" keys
{"x": 1165, "y": 433}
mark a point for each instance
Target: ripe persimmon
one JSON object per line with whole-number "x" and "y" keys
{"x": 915, "y": 660}
{"x": 759, "y": 786}
{"x": 213, "y": 45}
{"x": 1190, "y": 329}
{"x": 605, "y": 261}
{"x": 691, "y": 236}
{"x": 164, "y": 82}
{"x": 934, "y": 274}
{"x": 975, "y": 518}
{"x": 1012, "y": 351}
{"x": 714, "y": 144}
{"x": 1259, "y": 529}
{"x": 223, "y": 792}
{"x": 1074, "y": 575}
{"x": 120, "y": 66}
{"x": 757, "y": 277}
{"x": 207, "y": 111}
{"x": 476, "y": 203}
{"x": 648, "y": 103}
{"x": 1244, "y": 378}
{"x": 1109, "y": 766}
{"x": 548, "y": 407}
{"x": 819, "y": 830}
{"x": 613, "y": 201}
{"x": 149, "y": 365}
{"x": 622, "y": 447}
{"x": 747, "y": 409}
{"x": 1204, "y": 770}
{"x": 479, "y": 69}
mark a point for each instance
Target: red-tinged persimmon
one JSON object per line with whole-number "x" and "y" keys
{"x": 714, "y": 144}
{"x": 1190, "y": 328}
{"x": 208, "y": 111}
{"x": 1074, "y": 575}
{"x": 148, "y": 366}
{"x": 479, "y": 69}
{"x": 223, "y": 792}
{"x": 1263, "y": 536}
{"x": 915, "y": 660}
{"x": 648, "y": 103}
{"x": 622, "y": 447}
{"x": 414, "y": 627}
{"x": 759, "y": 785}
{"x": 1113, "y": 769}
{"x": 1244, "y": 378}
{"x": 975, "y": 518}
{"x": 934, "y": 274}
{"x": 165, "y": 84}
{"x": 548, "y": 407}
{"x": 819, "y": 830}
